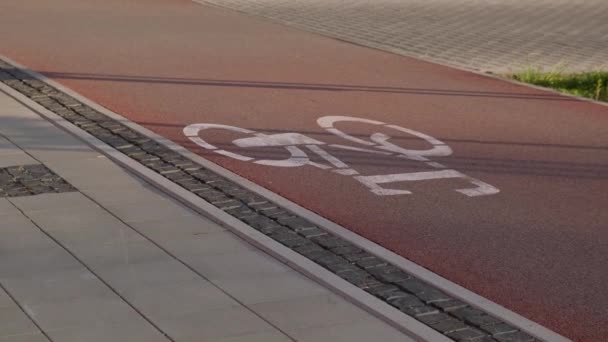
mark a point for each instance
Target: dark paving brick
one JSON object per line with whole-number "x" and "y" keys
{"x": 468, "y": 334}
{"x": 450, "y": 305}
{"x": 514, "y": 337}
{"x": 496, "y": 329}
{"x": 30, "y": 180}
{"x": 448, "y": 325}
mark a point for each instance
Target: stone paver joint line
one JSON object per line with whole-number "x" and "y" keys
{"x": 387, "y": 282}
{"x": 27, "y": 180}
{"x": 25, "y": 313}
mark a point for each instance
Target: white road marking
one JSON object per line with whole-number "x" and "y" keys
{"x": 436, "y": 165}
{"x": 298, "y": 158}
{"x": 373, "y": 182}
{"x": 379, "y": 141}
{"x": 482, "y": 189}
{"x": 233, "y": 155}
{"x": 325, "y": 155}
{"x": 347, "y": 172}
{"x": 327, "y": 122}
{"x": 271, "y": 140}
{"x": 358, "y": 149}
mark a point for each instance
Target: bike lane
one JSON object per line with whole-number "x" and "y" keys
{"x": 538, "y": 247}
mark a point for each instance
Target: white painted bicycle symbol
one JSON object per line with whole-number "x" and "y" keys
{"x": 378, "y": 143}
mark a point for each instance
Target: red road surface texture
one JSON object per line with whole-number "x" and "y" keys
{"x": 538, "y": 247}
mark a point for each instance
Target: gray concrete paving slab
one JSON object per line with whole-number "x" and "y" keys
{"x": 6, "y": 147}
{"x": 5, "y": 299}
{"x": 11, "y": 155}
{"x": 237, "y": 264}
{"x": 33, "y": 337}
{"x": 51, "y": 202}
{"x": 15, "y": 325}
{"x": 269, "y": 288}
{"x": 150, "y": 210}
{"x": 216, "y": 324}
{"x": 309, "y": 312}
{"x": 66, "y": 285}
{"x": 354, "y": 331}
{"x": 14, "y": 322}
{"x": 166, "y": 229}
{"x": 256, "y": 337}
{"x": 83, "y": 312}
{"x": 498, "y": 36}
{"x": 203, "y": 246}
{"x": 180, "y": 298}
{"x": 6, "y": 208}
{"x": 113, "y": 196}
{"x": 16, "y": 159}
{"x": 44, "y": 279}
{"x": 104, "y": 333}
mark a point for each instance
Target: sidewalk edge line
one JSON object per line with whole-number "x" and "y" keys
{"x": 449, "y": 287}
{"x": 402, "y": 322}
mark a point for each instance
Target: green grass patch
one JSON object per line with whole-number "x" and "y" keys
{"x": 592, "y": 84}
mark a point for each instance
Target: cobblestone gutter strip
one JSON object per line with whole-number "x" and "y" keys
{"x": 451, "y": 317}
{"x": 30, "y": 180}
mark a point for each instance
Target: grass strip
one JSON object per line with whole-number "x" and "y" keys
{"x": 592, "y": 84}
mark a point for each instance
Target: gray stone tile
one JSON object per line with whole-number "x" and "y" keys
{"x": 310, "y": 312}
{"x": 6, "y": 208}
{"x": 239, "y": 264}
{"x": 270, "y": 288}
{"x": 128, "y": 331}
{"x": 208, "y": 244}
{"x": 51, "y": 202}
{"x": 357, "y": 331}
{"x": 16, "y": 159}
{"x": 132, "y": 194}
{"x": 32, "y": 337}
{"x": 25, "y": 263}
{"x": 48, "y": 138}
{"x": 120, "y": 254}
{"x": 19, "y": 235}
{"x": 6, "y": 147}
{"x": 13, "y": 322}
{"x": 214, "y": 324}
{"x": 54, "y": 151}
{"x": 131, "y": 277}
{"x": 57, "y": 286}
{"x": 150, "y": 210}
{"x": 5, "y": 299}
{"x": 272, "y": 336}
{"x": 96, "y": 235}
{"x": 87, "y": 312}
{"x": 109, "y": 333}
{"x": 84, "y": 225}
{"x": 20, "y": 125}
{"x": 72, "y": 218}
{"x": 174, "y": 299}
{"x": 186, "y": 227}
{"x": 51, "y": 144}
{"x": 14, "y": 221}
{"x": 92, "y": 171}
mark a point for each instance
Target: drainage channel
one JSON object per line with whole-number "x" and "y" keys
{"x": 452, "y": 317}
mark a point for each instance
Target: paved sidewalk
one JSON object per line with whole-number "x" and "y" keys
{"x": 498, "y": 36}
{"x": 92, "y": 253}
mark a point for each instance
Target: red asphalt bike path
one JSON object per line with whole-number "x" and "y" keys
{"x": 538, "y": 247}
